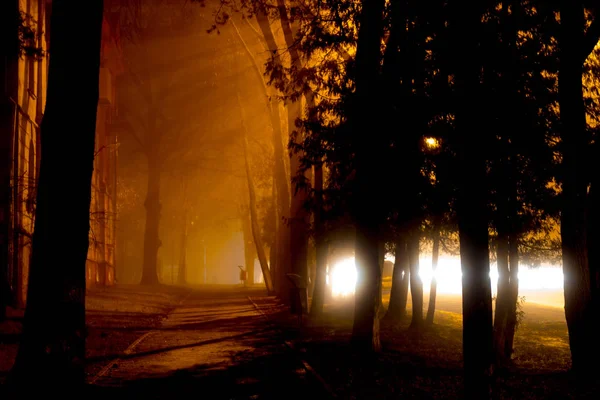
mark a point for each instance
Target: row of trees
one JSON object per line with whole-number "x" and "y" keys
{"x": 482, "y": 116}
{"x": 498, "y": 86}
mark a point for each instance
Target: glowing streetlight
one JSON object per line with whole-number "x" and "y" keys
{"x": 432, "y": 143}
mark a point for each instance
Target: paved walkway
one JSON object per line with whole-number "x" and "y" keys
{"x": 215, "y": 345}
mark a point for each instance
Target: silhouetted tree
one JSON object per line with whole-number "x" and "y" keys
{"x": 158, "y": 115}
{"x": 282, "y": 199}
{"x": 400, "y": 279}
{"x": 367, "y": 180}
{"x": 52, "y": 347}
{"x": 9, "y": 56}
{"x": 472, "y": 202}
{"x": 256, "y": 234}
{"x": 576, "y": 43}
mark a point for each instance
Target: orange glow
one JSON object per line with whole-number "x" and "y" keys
{"x": 432, "y": 142}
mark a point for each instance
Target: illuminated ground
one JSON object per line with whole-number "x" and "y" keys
{"x": 212, "y": 343}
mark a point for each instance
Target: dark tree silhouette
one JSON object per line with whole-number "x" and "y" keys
{"x": 9, "y": 55}
{"x": 579, "y": 311}
{"x": 400, "y": 279}
{"x": 367, "y": 215}
{"x": 52, "y": 347}
{"x": 471, "y": 204}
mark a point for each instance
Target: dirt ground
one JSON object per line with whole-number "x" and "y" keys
{"x": 226, "y": 342}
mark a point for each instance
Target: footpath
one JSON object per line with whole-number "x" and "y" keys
{"x": 214, "y": 342}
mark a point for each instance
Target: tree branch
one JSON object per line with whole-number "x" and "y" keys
{"x": 260, "y": 37}
{"x": 592, "y": 36}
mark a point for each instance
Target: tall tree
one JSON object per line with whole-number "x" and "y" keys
{"x": 318, "y": 299}
{"x": 435, "y": 254}
{"x": 416, "y": 284}
{"x": 471, "y": 204}
{"x": 9, "y": 56}
{"x": 282, "y": 198}
{"x": 574, "y": 43}
{"x": 400, "y": 279}
{"x": 254, "y": 215}
{"x": 52, "y": 347}
{"x": 250, "y": 253}
{"x": 157, "y": 112}
{"x": 299, "y": 214}
{"x": 368, "y": 217}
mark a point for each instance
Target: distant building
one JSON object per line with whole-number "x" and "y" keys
{"x": 22, "y": 100}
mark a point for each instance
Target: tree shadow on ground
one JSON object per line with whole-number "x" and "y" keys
{"x": 269, "y": 371}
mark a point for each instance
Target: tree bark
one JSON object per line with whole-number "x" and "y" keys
{"x": 256, "y": 234}
{"x": 472, "y": 206}
{"x": 153, "y": 208}
{"x": 435, "y": 254}
{"x": 502, "y": 298}
{"x": 249, "y": 246}
{"x": 274, "y": 267}
{"x": 299, "y": 222}
{"x": 9, "y": 61}
{"x": 577, "y": 280}
{"x": 513, "y": 296}
{"x": 279, "y": 174}
{"x": 318, "y": 299}
{"x": 381, "y": 256}
{"x": 52, "y": 346}
{"x": 416, "y": 284}
{"x": 181, "y": 279}
{"x": 367, "y": 182}
{"x": 400, "y": 279}
{"x": 300, "y": 216}
{"x": 365, "y": 331}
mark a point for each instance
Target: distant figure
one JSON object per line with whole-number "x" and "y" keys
{"x": 243, "y": 275}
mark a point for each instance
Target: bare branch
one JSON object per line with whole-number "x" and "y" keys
{"x": 257, "y": 33}
{"x": 592, "y": 36}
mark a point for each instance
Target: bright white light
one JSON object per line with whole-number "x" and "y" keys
{"x": 343, "y": 278}
{"x": 449, "y": 276}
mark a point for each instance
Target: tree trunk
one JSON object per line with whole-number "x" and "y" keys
{"x": 381, "y": 256}
{"x": 365, "y": 331}
{"x": 367, "y": 182}
{"x": 52, "y": 345}
{"x": 316, "y": 307}
{"x": 312, "y": 267}
{"x": 502, "y": 298}
{"x": 256, "y": 234}
{"x": 578, "y": 301}
{"x": 153, "y": 213}
{"x": 183, "y": 253}
{"x": 9, "y": 61}
{"x": 435, "y": 253}
{"x": 400, "y": 278}
{"x": 416, "y": 284}
{"x": 513, "y": 296}
{"x": 249, "y": 246}
{"x": 274, "y": 268}
{"x": 300, "y": 220}
{"x": 283, "y": 196}
{"x": 472, "y": 206}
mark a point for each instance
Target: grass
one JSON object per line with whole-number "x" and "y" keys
{"x": 428, "y": 364}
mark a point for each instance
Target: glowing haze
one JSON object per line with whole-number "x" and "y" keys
{"x": 448, "y": 274}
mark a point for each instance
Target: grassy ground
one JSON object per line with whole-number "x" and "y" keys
{"x": 428, "y": 364}
{"x": 423, "y": 365}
